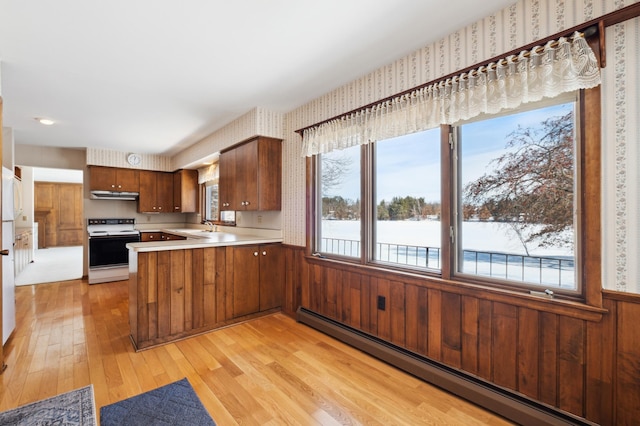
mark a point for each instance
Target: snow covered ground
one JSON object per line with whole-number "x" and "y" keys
{"x": 490, "y": 249}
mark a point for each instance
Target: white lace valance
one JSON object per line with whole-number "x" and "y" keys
{"x": 561, "y": 66}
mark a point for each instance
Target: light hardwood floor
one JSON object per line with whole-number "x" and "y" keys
{"x": 267, "y": 371}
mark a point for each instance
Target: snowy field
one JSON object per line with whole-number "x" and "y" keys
{"x": 490, "y": 249}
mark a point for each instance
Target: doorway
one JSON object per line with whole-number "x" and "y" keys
{"x": 52, "y": 208}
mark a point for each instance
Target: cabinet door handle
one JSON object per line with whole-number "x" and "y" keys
{"x": 246, "y": 203}
{"x": 113, "y": 186}
{"x": 5, "y": 252}
{"x": 119, "y": 186}
{"x": 264, "y": 253}
{"x": 255, "y": 253}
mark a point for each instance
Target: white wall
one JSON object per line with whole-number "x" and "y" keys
{"x": 43, "y": 156}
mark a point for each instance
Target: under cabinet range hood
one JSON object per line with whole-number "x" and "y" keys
{"x": 113, "y": 195}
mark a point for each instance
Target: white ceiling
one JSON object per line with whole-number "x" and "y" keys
{"x": 155, "y": 76}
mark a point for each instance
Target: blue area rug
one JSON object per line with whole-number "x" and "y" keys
{"x": 68, "y": 409}
{"x": 173, "y": 404}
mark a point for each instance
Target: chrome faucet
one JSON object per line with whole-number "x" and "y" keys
{"x": 210, "y": 225}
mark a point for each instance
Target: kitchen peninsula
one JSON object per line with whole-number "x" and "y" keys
{"x": 202, "y": 281}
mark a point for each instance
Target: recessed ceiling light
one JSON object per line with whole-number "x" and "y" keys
{"x": 45, "y": 121}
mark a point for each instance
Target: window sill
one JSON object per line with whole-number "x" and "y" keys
{"x": 556, "y": 305}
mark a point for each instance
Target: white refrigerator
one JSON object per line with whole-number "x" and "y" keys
{"x": 8, "y": 275}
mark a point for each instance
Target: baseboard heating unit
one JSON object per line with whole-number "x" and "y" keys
{"x": 508, "y": 404}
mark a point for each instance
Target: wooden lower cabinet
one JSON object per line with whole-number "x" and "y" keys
{"x": 245, "y": 276}
{"x": 159, "y": 236}
{"x": 257, "y": 274}
{"x": 175, "y": 294}
{"x": 272, "y": 272}
{"x": 150, "y": 236}
{"x": 168, "y": 237}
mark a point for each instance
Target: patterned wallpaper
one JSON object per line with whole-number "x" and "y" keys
{"x": 107, "y": 157}
{"x": 520, "y": 24}
{"x": 258, "y": 121}
{"x": 621, "y": 156}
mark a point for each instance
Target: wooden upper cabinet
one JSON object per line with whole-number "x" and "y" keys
{"x": 156, "y": 192}
{"x": 246, "y": 177}
{"x": 147, "y": 198}
{"x": 185, "y": 191}
{"x": 269, "y": 170}
{"x": 164, "y": 194}
{"x": 227, "y": 181}
{"x": 251, "y": 176}
{"x": 160, "y": 192}
{"x": 113, "y": 179}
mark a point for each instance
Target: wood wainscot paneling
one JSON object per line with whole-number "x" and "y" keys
{"x": 577, "y": 358}
{"x": 174, "y": 294}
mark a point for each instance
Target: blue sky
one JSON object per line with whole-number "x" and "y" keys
{"x": 410, "y": 165}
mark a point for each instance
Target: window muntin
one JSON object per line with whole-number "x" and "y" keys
{"x": 407, "y": 206}
{"x": 516, "y": 204}
{"x": 339, "y": 209}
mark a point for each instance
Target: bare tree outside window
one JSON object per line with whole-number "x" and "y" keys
{"x": 517, "y": 190}
{"x": 530, "y": 187}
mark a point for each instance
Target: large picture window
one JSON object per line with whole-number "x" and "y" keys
{"x": 501, "y": 205}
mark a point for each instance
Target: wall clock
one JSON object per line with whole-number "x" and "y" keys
{"x": 133, "y": 159}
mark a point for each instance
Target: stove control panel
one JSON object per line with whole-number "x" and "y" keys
{"x": 111, "y": 221}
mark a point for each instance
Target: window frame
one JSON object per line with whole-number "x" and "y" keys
{"x": 588, "y": 226}
{"x": 457, "y": 218}
{"x": 370, "y": 156}
{"x": 317, "y": 202}
{"x": 205, "y": 186}
{"x": 202, "y": 191}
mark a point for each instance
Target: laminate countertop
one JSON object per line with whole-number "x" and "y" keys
{"x": 198, "y": 238}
